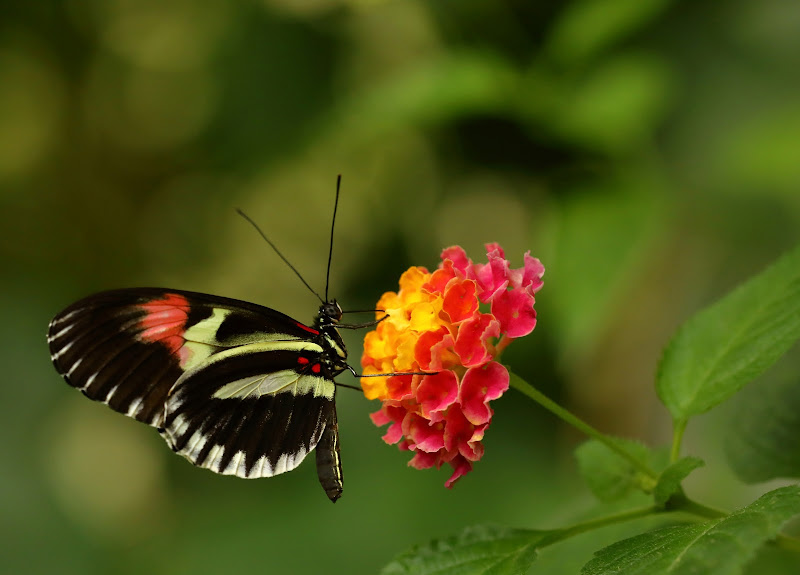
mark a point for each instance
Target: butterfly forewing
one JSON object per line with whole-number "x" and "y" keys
{"x": 234, "y": 387}
{"x": 96, "y": 345}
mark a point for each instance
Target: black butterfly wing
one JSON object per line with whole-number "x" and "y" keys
{"x": 234, "y": 387}
{"x": 128, "y": 347}
{"x": 256, "y": 411}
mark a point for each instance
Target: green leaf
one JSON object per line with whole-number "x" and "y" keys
{"x": 721, "y": 547}
{"x": 609, "y": 476}
{"x": 669, "y": 482}
{"x": 479, "y": 550}
{"x": 728, "y": 344}
{"x": 763, "y": 438}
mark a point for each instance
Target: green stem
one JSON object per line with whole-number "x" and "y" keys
{"x": 501, "y": 345}
{"x": 523, "y": 386}
{"x": 679, "y": 427}
{"x": 688, "y": 506}
{"x": 579, "y": 528}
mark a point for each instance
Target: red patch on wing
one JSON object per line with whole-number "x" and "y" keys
{"x": 165, "y": 321}
{"x": 302, "y": 360}
{"x": 316, "y": 368}
{"x": 308, "y": 329}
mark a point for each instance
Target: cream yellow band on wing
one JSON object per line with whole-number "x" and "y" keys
{"x": 206, "y": 332}
{"x": 284, "y": 381}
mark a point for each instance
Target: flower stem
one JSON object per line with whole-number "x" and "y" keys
{"x": 577, "y": 529}
{"x": 523, "y": 386}
{"x": 679, "y": 427}
{"x": 501, "y": 345}
{"x": 698, "y": 509}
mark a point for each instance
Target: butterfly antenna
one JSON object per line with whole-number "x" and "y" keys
{"x": 333, "y": 224}
{"x": 277, "y": 251}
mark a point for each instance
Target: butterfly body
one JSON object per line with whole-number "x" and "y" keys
{"x": 232, "y": 386}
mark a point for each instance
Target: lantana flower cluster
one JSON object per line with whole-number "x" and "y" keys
{"x": 435, "y": 324}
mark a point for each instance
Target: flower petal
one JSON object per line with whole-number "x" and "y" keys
{"x": 440, "y": 278}
{"x": 460, "y": 468}
{"x": 424, "y": 316}
{"x": 514, "y": 310}
{"x": 431, "y": 351}
{"x": 390, "y": 414}
{"x": 374, "y": 387}
{"x": 424, "y": 435}
{"x": 424, "y": 460}
{"x": 479, "y": 386}
{"x": 398, "y": 387}
{"x": 472, "y": 344}
{"x": 436, "y": 393}
{"x": 528, "y": 277}
{"x": 459, "y": 259}
{"x": 493, "y": 277}
{"x": 412, "y": 279}
{"x": 460, "y": 302}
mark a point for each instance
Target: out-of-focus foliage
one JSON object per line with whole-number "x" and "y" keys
{"x": 646, "y": 151}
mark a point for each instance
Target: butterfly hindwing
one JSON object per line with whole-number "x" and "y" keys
{"x": 234, "y": 387}
{"x": 252, "y": 411}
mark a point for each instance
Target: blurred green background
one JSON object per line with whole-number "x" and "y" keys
{"x": 647, "y": 151}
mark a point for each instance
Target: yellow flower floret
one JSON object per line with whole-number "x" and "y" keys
{"x": 411, "y": 312}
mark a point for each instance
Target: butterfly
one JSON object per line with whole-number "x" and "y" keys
{"x": 232, "y": 386}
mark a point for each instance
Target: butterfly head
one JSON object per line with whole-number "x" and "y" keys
{"x": 330, "y": 313}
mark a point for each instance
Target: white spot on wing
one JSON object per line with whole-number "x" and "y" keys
{"x": 236, "y": 465}
{"x": 134, "y": 407}
{"x": 110, "y": 394}
{"x": 60, "y": 333}
{"x": 173, "y": 402}
{"x": 294, "y": 459}
{"x": 74, "y": 367}
{"x": 214, "y": 458}
{"x": 179, "y": 426}
{"x": 286, "y": 462}
{"x": 281, "y": 466}
{"x": 62, "y": 351}
{"x": 63, "y": 318}
{"x": 195, "y": 446}
{"x": 261, "y": 468}
{"x": 89, "y": 381}
{"x": 157, "y": 421}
